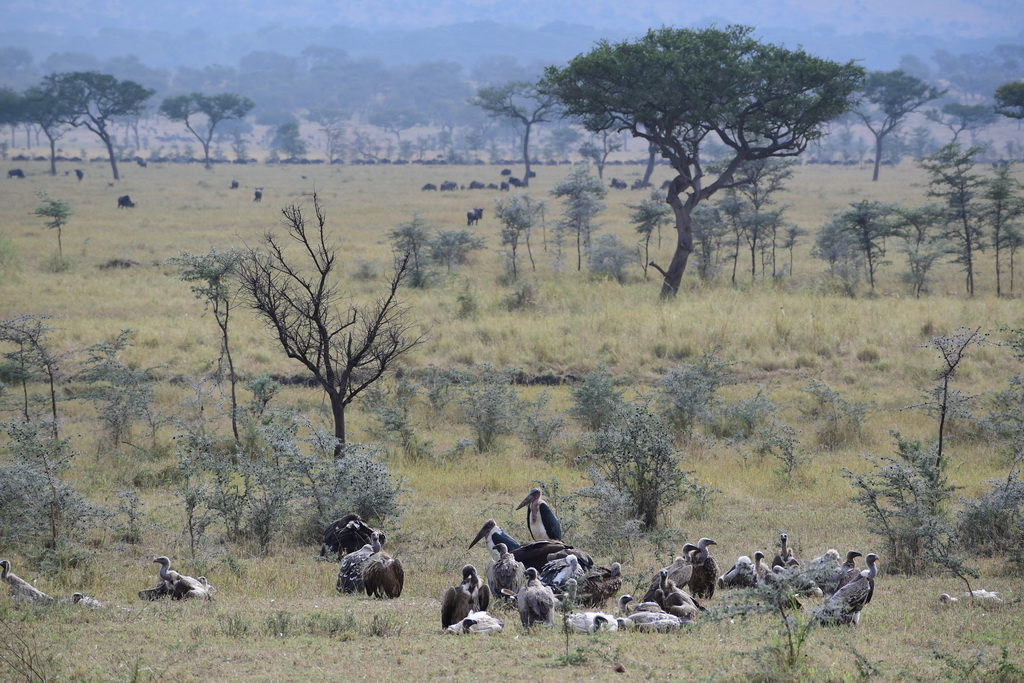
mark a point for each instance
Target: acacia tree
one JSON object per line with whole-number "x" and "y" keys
{"x": 213, "y": 108}
{"x": 1009, "y": 99}
{"x": 888, "y": 98}
{"x": 581, "y": 192}
{"x": 213, "y": 276}
{"x": 97, "y": 101}
{"x": 954, "y": 181}
{"x": 517, "y": 214}
{"x": 42, "y": 107}
{"x": 520, "y": 101}
{"x": 681, "y": 88}
{"x": 959, "y": 117}
{"x": 345, "y": 346}
{"x": 1001, "y": 212}
{"x": 332, "y": 125}
{"x": 867, "y": 223}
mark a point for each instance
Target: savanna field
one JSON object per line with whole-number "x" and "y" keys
{"x": 276, "y": 614}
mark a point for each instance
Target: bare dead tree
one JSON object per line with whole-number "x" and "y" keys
{"x": 345, "y": 346}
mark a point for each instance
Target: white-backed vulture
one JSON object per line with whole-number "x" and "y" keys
{"x": 469, "y": 596}
{"x": 506, "y": 572}
{"x": 845, "y": 605}
{"x": 346, "y": 535}
{"x": 679, "y": 571}
{"x": 383, "y": 575}
{"x": 556, "y": 574}
{"x": 536, "y": 601}
{"x": 844, "y": 574}
{"x": 784, "y": 558}
{"x": 599, "y": 584}
{"x": 704, "y": 576}
{"x": 350, "y": 571}
{"x": 181, "y": 586}
{"x": 591, "y": 622}
{"x": 19, "y": 588}
{"x": 477, "y": 622}
{"x": 978, "y": 596}
{"x": 740, "y": 575}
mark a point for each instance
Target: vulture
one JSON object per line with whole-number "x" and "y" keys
{"x": 647, "y": 616}
{"x": 845, "y": 605}
{"x": 974, "y": 597}
{"x": 674, "y": 600}
{"x": 843, "y": 574}
{"x": 557, "y": 573}
{"x": 383, "y": 575}
{"x": 679, "y": 571}
{"x": 591, "y": 622}
{"x": 761, "y": 569}
{"x": 538, "y": 553}
{"x": 181, "y": 586}
{"x": 599, "y": 584}
{"x": 784, "y": 558}
{"x": 469, "y": 596}
{"x": 540, "y": 518}
{"x": 505, "y": 573}
{"x": 740, "y": 576}
{"x": 346, "y": 535}
{"x": 704, "y": 576}
{"x": 350, "y": 573}
{"x": 536, "y": 601}
{"x": 86, "y": 601}
{"x": 477, "y": 622}
{"x": 19, "y": 588}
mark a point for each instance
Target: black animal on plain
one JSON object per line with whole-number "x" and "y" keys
{"x": 234, "y": 184}
{"x": 125, "y": 202}
{"x": 476, "y": 185}
{"x": 15, "y": 173}
{"x": 79, "y": 174}
{"x": 619, "y": 184}
{"x": 515, "y": 182}
{"x": 473, "y": 216}
{"x": 506, "y": 171}
{"x": 429, "y": 187}
{"x": 449, "y": 186}
{"x": 257, "y": 194}
{"x": 347, "y": 535}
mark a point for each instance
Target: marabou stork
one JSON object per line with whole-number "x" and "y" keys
{"x": 19, "y": 588}
{"x": 469, "y": 596}
{"x": 505, "y": 573}
{"x": 536, "y": 601}
{"x": 540, "y": 518}
{"x": 383, "y": 575}
{"x": 495, "y": 535}
{"x": 845, "y": 605}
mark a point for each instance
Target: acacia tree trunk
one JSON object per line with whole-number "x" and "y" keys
{"x": 673, "y": 276}
{"x": 110, "y": 152}
{"x": 878, "y": 155}
{"x": 526, "y": 155}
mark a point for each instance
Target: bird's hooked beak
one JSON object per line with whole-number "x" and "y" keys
{"x": 488, "y": 525}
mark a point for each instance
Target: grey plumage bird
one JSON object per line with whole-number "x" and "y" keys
{"x": 679, "y": 571}
{"x": 477, "y": 623}
{"x": 181, "y": 586}
{"x": 469, "y": 596}
{"x": 19, "y": 588}
{"x": 845, "y": 605}
{"x": 536, "y": 601}
{"x": 350, "y": 571}
{"x": 505, "y": 573}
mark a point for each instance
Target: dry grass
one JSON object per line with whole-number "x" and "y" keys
{"x": 780, "y": 336}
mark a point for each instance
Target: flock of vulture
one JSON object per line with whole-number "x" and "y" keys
{"x": 542, "y": 576}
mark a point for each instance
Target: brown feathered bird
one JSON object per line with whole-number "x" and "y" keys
{"x": 469, "y": 596}
{"x": 383, "y": 575}
{"x": 19, "y": 588}
{"x": 347, "y": 535}
{"x": 679, "y": 571}
{"x": 599, "y": 584}
{"x": 845, "y": 605}
{"x": 704, "y": 576}
{"x": 536, "y": 601}
{"x": 350, "y": 571}
{"x": 181, "y": 586}
{"x": 505, "y": 573}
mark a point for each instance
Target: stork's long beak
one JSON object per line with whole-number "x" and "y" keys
{"x": 481, "y": 534}
{"x": 526, "y": 501}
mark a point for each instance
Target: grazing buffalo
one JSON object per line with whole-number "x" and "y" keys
{"x": 476, "y": 185}
{"x": 125, "y": 202}
{"x": 504, "y": 186}
{"x": 506, "y": 171}
{"x": 515, "y": 182}
{"x": 140, "y": 161}
{"x": 234, "y": 184}
{"x": 619, "y": 184}
{"x": 79, "y": 174}
{"x": 639, "y": 184}
{"x": 15, "y": 173}
{"x": 257, "y": 195}
{"x": 473, "y": 216}
{"x": 429, "y": 187}
{"x": 449, "y": 186}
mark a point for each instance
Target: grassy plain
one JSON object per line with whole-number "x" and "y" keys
{"x": 277, "y": 617}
